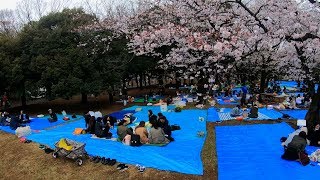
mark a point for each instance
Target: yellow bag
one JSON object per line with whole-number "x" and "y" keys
{"x": 77, "y": 131}
{"x": 63, "y": 144}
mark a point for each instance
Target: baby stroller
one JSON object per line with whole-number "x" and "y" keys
{"x": 70, "y": 149}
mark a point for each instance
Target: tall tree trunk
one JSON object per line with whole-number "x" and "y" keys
{"x": 140, "y": 81}
{"x": 110, "y": 97}
{"x": 262, "y": 81}
{"x": 23, "y": 95}
{"x": 149, "y": 80}
{"x": 84, "y": 98}
{"x": 137, "y": 82}
{"x": 145, "y": 80}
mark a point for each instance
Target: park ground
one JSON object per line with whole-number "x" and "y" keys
{"x": 27, "y": 161}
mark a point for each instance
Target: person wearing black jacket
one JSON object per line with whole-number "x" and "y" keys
{"x": 23, "y": 118}
{"x": 152, "y": 117}
{"x": 53, "y": 116}
{"x": 314, "y": 136}
{"x": 109, "y": 120}
{"x": 297, "y": 145}
{"x": 87, "y": 117}
{"x": 101, "y": 129}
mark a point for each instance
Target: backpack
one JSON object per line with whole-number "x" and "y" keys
{"x": 135, "y": 140}
{"x": 304, "y": 159}
{"x": 175, "y": 127}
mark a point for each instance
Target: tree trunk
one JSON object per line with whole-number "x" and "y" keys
{"x": 149, "y": 80}
{"x": 262, "y": 81}
{"x": 110, "y": 97}
{"x": 140, "y": 81}
{"x": 23, "y": 96}
{"x": 137, "y": 82}
{"x": 84, "y": 98}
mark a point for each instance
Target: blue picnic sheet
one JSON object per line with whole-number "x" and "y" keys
{"x": 120, "y": 114}
{"x": 254, "y": 152}
{"x": 296, "y": 113}
{"x": 41, "y": 123}
{"x": 183, "y": 155}
{"x": 224, "y": 114}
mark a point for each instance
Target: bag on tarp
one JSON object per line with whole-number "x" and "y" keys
{"x": 175, "y": 127}
{"x": 304, "y": 159}
{"x": 23, "y": 131}
{"x": 135, "y": 140}
{"x": 78, "y": 131}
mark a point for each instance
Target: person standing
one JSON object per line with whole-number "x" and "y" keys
{"x": 4, "y": 101}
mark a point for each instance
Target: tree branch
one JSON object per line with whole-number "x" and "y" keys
{"x": 253, "y": 15}
{"x": 304, "y": 38}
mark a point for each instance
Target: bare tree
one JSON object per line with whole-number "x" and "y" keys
{"x": 7, "y": 22}
{"x": 31, "y": 10}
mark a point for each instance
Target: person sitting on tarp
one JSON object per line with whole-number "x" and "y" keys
{"x": 286, "y": 140}
{"x": 253, "y": 112}
{"x": 87, "y": 117}
{"x": 5, "y": 119}
{"x": 297, "y": 145}
{"x": 151, "y": 116}
{"x": 53, "y": 116}
{"x": 101, "y": 130}
{"x": 164, "y": 124}
{"x": 23, "y": 118}
{"x": 129, "y": 118}
{"x": 157, "y": 135}
{"x": 123, "y": 130}
{"x": 169, "y": 100}
{"x": 109, "y": 120}
{"x": 14, "y": 122}
{"x": 91, "y": 125}
{"x": 236, "y": 111}
{"x": 142, "y": 132}
{"x": 314, "y": 135}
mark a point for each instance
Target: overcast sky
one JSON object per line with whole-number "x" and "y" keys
{"x": 8, "y": 4}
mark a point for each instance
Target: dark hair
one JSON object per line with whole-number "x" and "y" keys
{"x": 160, "y": 114}
{"x": 121, "y": 123}
{"x": 154, "y": 124}
{"x": 142, "y": 124}
{"x": 238, "y": 106}
{"x": 303, "y": 135}
{"x": 150, "y": 111}
{"x": 99, "y": 119}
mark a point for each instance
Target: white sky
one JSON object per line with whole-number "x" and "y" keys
{"x": 8, "y": 4}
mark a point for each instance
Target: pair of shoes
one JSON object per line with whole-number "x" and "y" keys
{"x": 27, "y": 141}
{"x": 43, "y": 147}
{"x": 122, "y": 167}
{"x": 140, "y": 168}
{"x": 112, "y": 162}
{"x": 97, "y": 159}
{"x": 108, "y": 161}
{"x": 48, "y": 150}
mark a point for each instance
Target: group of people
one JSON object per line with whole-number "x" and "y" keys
{"x": 160, "y": 132}
{"x": 100, "y": 126}
{"x": 297, "y": 141}
{"x": 14, "y": 121}
{"x": 237, "y": 111}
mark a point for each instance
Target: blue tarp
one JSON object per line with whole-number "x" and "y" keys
{"x": 224, "y": 114}
{"x": 120, "y": 114}
{"x": 296, "y": 113}
{"x": 183, "y": 155}
{"x": 41, "y": 123}
{"x": 254, "y": 152}
{"x": 213, "y": 115}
